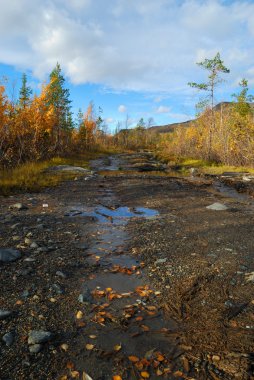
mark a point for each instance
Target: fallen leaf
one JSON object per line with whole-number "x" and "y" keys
{"x": 178, "y": 374}
{"x": 74, "y": 374}
{"x": 81, "y": 324}
{"x": 64, "y": 346}
{"x": 151, "y": 308}
{"x": 133, "y": 359}
{"x": 117, "y": 347}
{"x": 79, "y": 315}
{"x": 63, "y": 377}
{"x": 89, "y": 346}
{"x": 145, "y": 375}
{"x": 159, "y": 372}
{"x": 117, "y": 377}
{"x": 160, "y": 358}
{"x": 139, "y": 366}
{"x": 92, "y": 336}
{"x": 145, "y": 328}
{"x": 69, "y": 365}
{"x": 85, "y": 376}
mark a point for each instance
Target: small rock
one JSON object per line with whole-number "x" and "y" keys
{"x": 25, "y": 294}
{"x": 61, "y": 274}
{"x": 38, "y": 336}
{"x": 160, "y": 261}
{"x": 34, "y": 245}
{"x": 217, "y": 207}
{"x": 35, "y": 348}
{"x": 18, "y": 206}
{"x": 4, "y": 314}
{"x": 57, "y": 289}
{"x": 8, "y": 339}
{"x": 9, "y": 254}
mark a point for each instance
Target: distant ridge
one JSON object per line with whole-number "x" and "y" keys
{"x": 171, "y": 127}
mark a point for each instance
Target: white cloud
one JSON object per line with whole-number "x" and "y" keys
{"x": 163, "y": 109}
{"x": 143, "y": 45}
{"x": 109, "y": 120}
{"x": 122, "y": 109}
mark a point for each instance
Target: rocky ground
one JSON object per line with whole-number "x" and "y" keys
{"x": 127, "y": 275}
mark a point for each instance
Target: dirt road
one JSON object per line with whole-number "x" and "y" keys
{"x": 126, "y": 272}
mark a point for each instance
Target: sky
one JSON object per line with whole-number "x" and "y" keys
{"x": 132, "y": 58}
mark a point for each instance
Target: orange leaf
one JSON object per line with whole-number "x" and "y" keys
{"x": 145, "y": 328}
{"x": 145, "y": 375}
{"x": 160, "y": 358}
{"x": 117, "y": 377}
{"x": 133, "y": 359}
{"x": 69, "y": 365}
{"x": 139, "y": 366}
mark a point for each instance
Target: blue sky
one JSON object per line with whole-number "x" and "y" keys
{"x": 131, "y": 57}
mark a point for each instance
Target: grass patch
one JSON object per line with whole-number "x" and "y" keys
{"x": 208, "y": 167}
{"x": 32, "y": 176}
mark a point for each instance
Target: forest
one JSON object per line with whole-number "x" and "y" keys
{"x": 41, "y": 126}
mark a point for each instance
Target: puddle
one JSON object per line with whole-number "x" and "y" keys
{"x": 120, "y": 301}
{"x": 231, "y": 192}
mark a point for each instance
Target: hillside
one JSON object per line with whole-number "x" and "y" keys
{"x": 171, "y": 127}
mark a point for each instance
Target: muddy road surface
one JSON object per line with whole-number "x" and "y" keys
{"x": 127, "y": 272}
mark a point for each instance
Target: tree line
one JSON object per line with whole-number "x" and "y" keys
{"x": 37, "y": 127}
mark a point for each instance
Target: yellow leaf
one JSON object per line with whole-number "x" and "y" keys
{"x": 90, "y": 346}
{"x": 117, "y": 347}
{"x": 145, "y": 375}
{"x": 74, "y": 374}
{"x": 79, "y": 315}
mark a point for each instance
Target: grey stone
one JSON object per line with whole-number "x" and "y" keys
{"x": 35, "y": 348}
{"x": 217, "y": 207}
{"x": 18, "y": 206}
{"x": 8, "y": 339}
{"x": 57, "y": 289}
{"x": 34, "y": 245}
{"x": 68, "y": 168}
{"x": 160, "y": 261}
{"x": 39, "y": 336}
{"x": 4, "y": 314}
{"x": 61, "y": 274}
{"x": 25, "y": 294}
{"x": 9, "y": 254}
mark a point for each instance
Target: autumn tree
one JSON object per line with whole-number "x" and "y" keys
{"x": 215, "y": 68}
